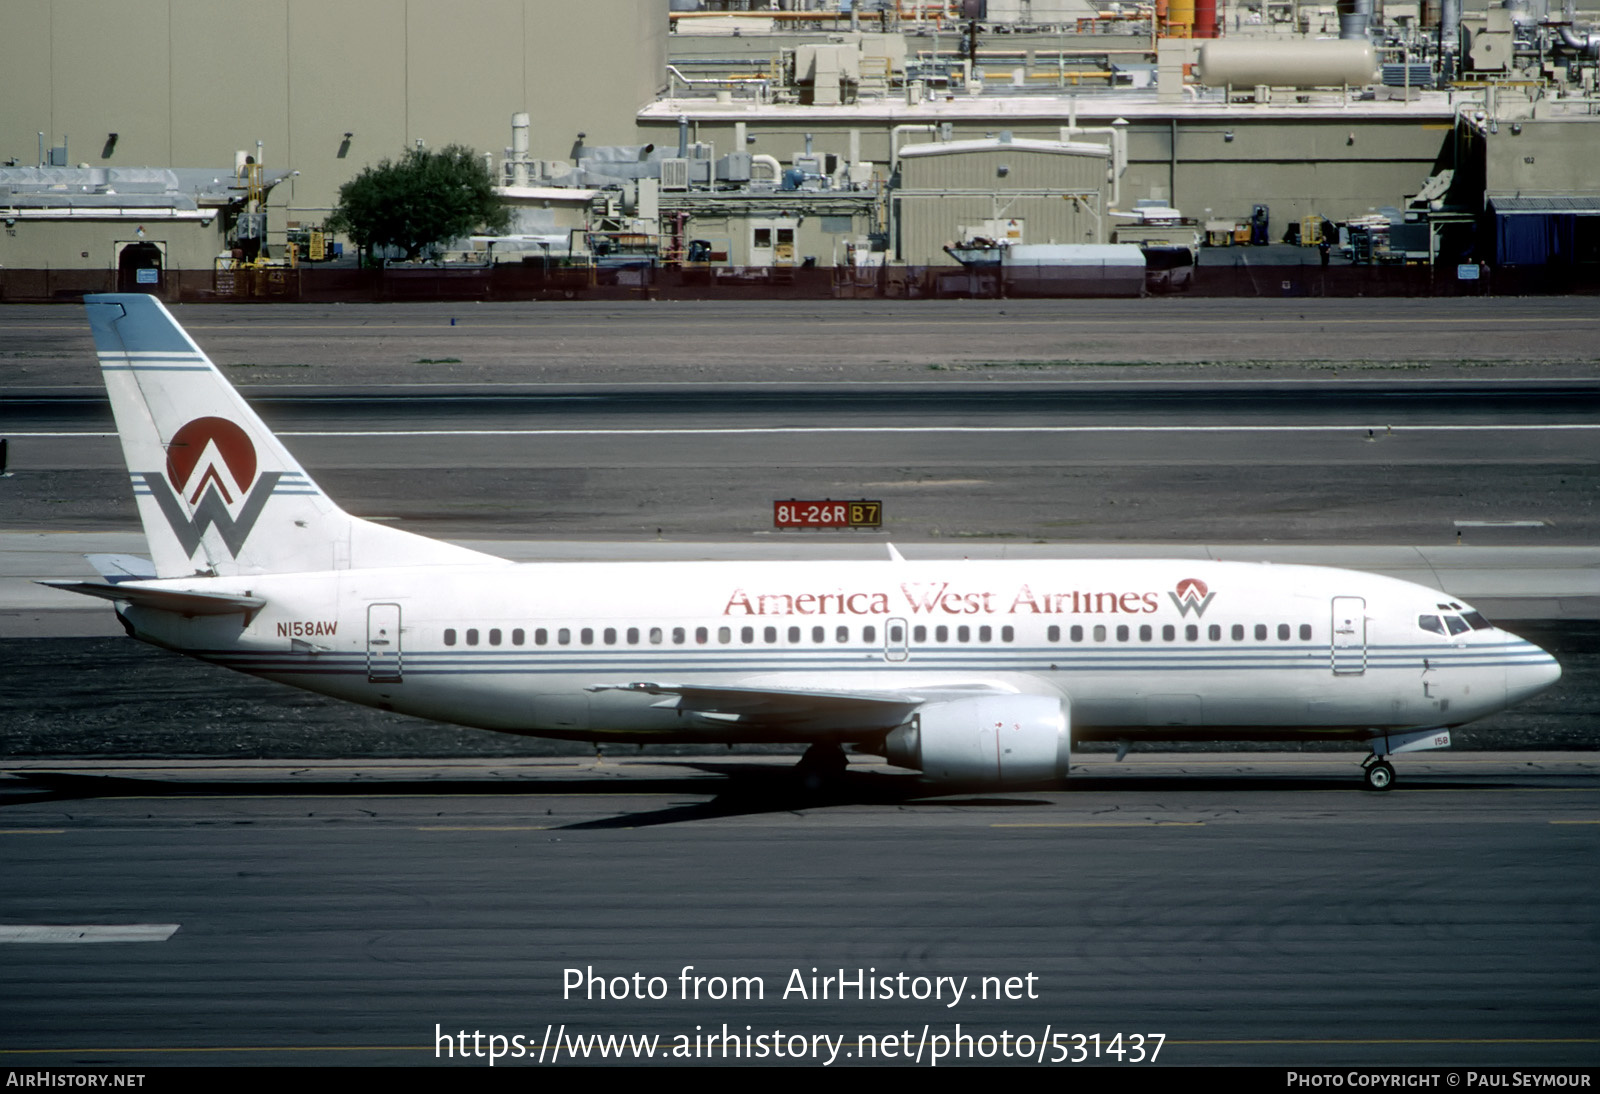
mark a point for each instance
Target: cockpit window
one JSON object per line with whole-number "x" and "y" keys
{"x": 1430, "y": 623}
{"x": 1476, "y": 621}
{"x": 1456, "y": 625}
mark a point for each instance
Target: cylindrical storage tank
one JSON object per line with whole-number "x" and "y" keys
{"x": 1205, "y": 18}
{"x": 1180, "y": 18}
{"x": 1325, "y": 63}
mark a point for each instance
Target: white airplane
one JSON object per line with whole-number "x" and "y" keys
{"x": 968, "y": 671}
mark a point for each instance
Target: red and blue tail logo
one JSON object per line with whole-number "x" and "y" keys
{"x": 211, "y": 481}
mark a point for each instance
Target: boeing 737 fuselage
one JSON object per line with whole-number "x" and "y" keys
{"x": 968, "y": 671}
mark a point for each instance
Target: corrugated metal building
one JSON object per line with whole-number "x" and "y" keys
{"x": 138, "y": 221}
{"x": 1017, "y": 191}
{"x": 1546, "y": 230}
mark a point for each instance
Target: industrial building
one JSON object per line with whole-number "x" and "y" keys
{"x": 737, "y": 147}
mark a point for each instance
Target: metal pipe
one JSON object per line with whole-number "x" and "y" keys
{"x": 894, "y": 141}
{"x": 1588, "y": 45}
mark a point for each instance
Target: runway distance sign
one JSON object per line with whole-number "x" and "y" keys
{"x": 827, "y": 514}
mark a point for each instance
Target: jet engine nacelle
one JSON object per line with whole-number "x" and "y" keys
{"x": 999, "y": 739}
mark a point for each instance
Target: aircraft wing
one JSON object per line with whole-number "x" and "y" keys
{"x": 795, "y": 706}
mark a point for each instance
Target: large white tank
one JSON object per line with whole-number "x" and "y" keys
{"x": 1312, "y": 63}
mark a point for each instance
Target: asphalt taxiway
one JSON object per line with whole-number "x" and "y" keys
{"x": 1250, "y": 909}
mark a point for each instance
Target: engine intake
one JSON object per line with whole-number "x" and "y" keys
{"x": 1004, "y": 739}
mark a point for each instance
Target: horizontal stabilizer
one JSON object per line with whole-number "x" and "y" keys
{"x": 119, "y": 568}
{"x": 165, "y": 600}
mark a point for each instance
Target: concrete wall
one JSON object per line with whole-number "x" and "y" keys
{"x": 1554, "y": 156}
{"x": 1333, "y": 168}
{"x": 186, "y": 82}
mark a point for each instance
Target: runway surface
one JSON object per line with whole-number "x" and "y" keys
{"x": 1252, "y": 910}
{"x": 1493, "y": 463}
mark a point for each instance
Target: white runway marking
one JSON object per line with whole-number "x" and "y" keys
{"x": 835, "y": 429}
{"x": 87, "y": 932}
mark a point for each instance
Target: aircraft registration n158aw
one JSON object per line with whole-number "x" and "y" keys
{"x": 967, "y": 671}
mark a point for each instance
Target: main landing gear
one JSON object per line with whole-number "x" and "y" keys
{"x": 1378, "y": 773}
{"x": 822, "y": 764}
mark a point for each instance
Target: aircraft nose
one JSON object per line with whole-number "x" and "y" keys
{"x": 1534, "y": 671}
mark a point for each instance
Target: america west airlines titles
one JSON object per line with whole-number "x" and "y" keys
{"x": 939, "y": 598}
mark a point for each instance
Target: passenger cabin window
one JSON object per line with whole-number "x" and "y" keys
{"x": 1052, "y": 634}
{"x": 1169, "y": 633}
{"x": 540, "y": 636}
{"x": 449, "y": 636}
{"x": 1214, "y": 632}
{"x": 870, "y": 634}
{"x": 518, "y": 636}
{"x": 494, "y": 636}
{"x": 1261, "y": 632}
{"x": 678, "y": 636}
{"x": 1305, "y": 632}
{"x": 1076, "y": 633}
{"x": 842, "y": 635}
{"x": 609, "y": 636}
{"x": 1283, "y": 632}
{"x": 747, "y": 635}
{"x": 1238, "y": 632}
{"x": 586, "y": 636}
{"x": 472, "y": 636}
{"x": 1006, "y": 634}
{"x": 1191, "y": 633}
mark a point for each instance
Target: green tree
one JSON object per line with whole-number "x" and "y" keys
{"x": 425, "y": 199}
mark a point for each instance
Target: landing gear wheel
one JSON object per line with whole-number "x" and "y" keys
{"x": 828, "y": 761}
{"x": 1379, "y": 775}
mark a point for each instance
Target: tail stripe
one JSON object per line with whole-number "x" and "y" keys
{"x": 152, "y": 361}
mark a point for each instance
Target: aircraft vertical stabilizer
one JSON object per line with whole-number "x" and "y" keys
{"x": 217, "y": 492}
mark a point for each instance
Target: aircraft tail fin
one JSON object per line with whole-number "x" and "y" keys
{"x": 218, "y": 493}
